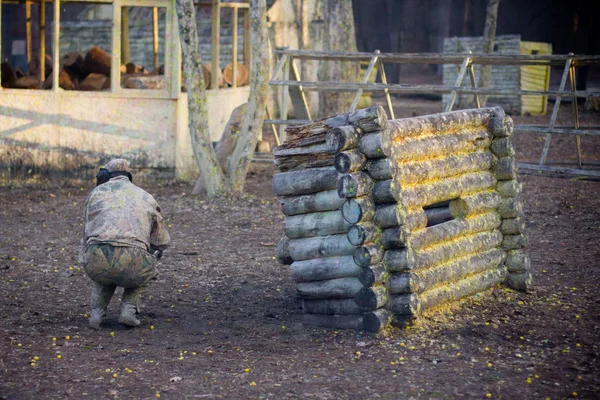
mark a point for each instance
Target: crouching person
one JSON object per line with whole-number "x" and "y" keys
{"x": 124, "y": 234}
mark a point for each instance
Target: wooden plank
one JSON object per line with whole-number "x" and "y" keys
{"x": 247, "y": 47}
{"x": 563, "y": 82}
{"x": 559, "y": 170}
{"x": 115, "y": 62}
{"x": 125, "y": 54}
{"x": 575, "y": 114}
{"x": 458, "y": 83}
{"x": 28, "y": 29}
{"x": 287, "y": 121}
{"x": 42, "y": 49}
{"x": 566, "y": 131}
{"x": 234, "y": 40}
{"x": 364, "y": 80}
{"x": 297, "y": 96}
{"x": 388, "y": 99}
{"x": 56, "y": 47}
{"x": 284, "y": 96}
{"x": 155, "y": 37}
{"x": 215, "y": 44}
{"x": 473, "y": 84}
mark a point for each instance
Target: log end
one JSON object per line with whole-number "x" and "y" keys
{"x": 283, "y": 252}
{"x": 356, "y": 235}
{"x": 521, "y": 282}
{"x": 376, "y": 321}
{"x": 371, "y": 298}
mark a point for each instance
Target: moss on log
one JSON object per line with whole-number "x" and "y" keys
{"x": 372, "y": 297}
{"x": 364, "y": 232}
{"x": 315, "y": 224}
{"x": 501, "y": 126}
{"x": 349, "y": 161}
{"x": 475, "y": 203}
{"x": 517, "y": 261}
{"x": 512, "y": 226}
{"x": 310, "y": 203}
{"x": 405, "y": 304}
{"x": 398, "y": 260}
{"x": 355, "y": 185}
{"x": 502, "y": 147}
{"x": 521, "y": 282}
{"x": 514, "y": 242}
{"x": 369, "y": 119}
{"x": 358, "y": 209}
{"x": 505, "y": 168}
{"x": 343, "y": 138}
{"x": 376, "y": 321}
{"x": 510, "y": 207}
{"x": 509, "y": 188}
{"x": 373, "y": 275}
{"x": 342, "y": 288}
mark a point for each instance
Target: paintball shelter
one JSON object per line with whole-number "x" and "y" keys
{"x": 388, "y": 219}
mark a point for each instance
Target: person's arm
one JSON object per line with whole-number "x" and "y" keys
{"x": 159, "y": 237}
{"x": 83, "y": 237}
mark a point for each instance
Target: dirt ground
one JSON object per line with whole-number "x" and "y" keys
{"x": 223, "y": 320}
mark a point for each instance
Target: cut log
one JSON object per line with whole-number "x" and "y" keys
{"x": 97, "y": 61}
{"x": 207, "y": 76}
{"x": 390, "y": 215}
{"x": 454, "y": 229}
{"x": 305, "y": 181}
{"x": 521, "y": 282}
{"x": 315, "y": 224}
{"x": 311, "y": 150}
{"x": 385, "y": 192}
{"x": 334, "y": 321}
{"x": 406, "y": 304}
{"x": 354, "y": 185}
{"x": 394, "y": 238}
{"x": 296, "y": 163}
{"x": 510, "y": 188}
{"x": 241, "y": 75}
{"x": 349, "y": 161}
{"x": 517, "y": 261}
{"x": 431, "y": 146}
{"x": 510, "y": 207}
{"x": 432, "y": 192}
{"x": 512, "y": 226}
{"x": 320, "y": 269}
{"x": 342, "y": 288}
{"x": 376, "y": 321}
{"x": 466, "y": 287}
{"x": 373, "y": 275}
{"x": 501, "y": 126}
{"x": 446, "y": 251}
{"x": 514, "y": 242}
{"x": 410, "y": 282}
{"x": 310, "y": 203}
{"x": 370, "y": 145}
{"x": 502, "y": 147}
{"x": 342, "y": 138}
{"x": 420, "y": 171}
{"x": 364, "y": 232}
{"x": 229, "y": 138}
{"x": 398, "y": 260}
{"x": 321, "y": 246}
{"x": 369, "y": 119}
{"x": 333, "y": 307}
{"x": 282, "y": 249}
{"x": 436, "y": 216}
{"x": 473, "y": 204}
{"x": 379, "y": 169}
{"x": 372, "y": 297}
{"x": 95, "y": 82}
{"x": 368, "y": 255}
{"x": 505, "y": 168}
{"x": 358, "y": 209}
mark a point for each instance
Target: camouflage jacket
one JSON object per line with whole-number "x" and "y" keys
{"x": 122, "y": 214}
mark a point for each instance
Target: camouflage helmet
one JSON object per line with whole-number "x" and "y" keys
{"x": 117, "y": 164}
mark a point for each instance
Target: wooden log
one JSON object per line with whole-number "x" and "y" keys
{"x": 300, "y": 162}
{"x": 514, "y": 242}
{"x": 342, "y": 288}
{"x": 501, "y": 126}
{"x": 242, "y": 74}
{"x": 150, "y": 82}
{"x": 466, "y": 287}
{"x": 385, "y": 192}
{"x": 349, "y": 161}
{"x": 377, "y": 320}
{"x": 510, "y": 188}
{"x": 342, "y": 138}
{"x": 473, "y": 204}
{"x": 373, "y": 275}
{"x": 406, "y": 304}
{"x": 73, "y": 63}
{"x": 442, "y": 123}
{"x": 358, "y": 209}
{"x": 410, "y": 282}
{"x": 368, "y": 255}
{"x": 419, "y": 171}
{"x": 379, "y": 169}
{"x": 305, "y": 181}
{"x": 390, "y": 215}
{"x": 521, "y": 282}
{"x": 512, "y": 226}
{"x": 454, "y": 229}
{"x": 398, "y": 260}
{"x": 372, "y": 297}
{"x": 446, "y": 251}
{"x": 502, "y": 147}
{"x": 394, "y": 238}
{"x": 369, "y": 119}
{"x": 66, "y": 81}
{"x": 312, "y": 150}
{"x": 364, "y": 232}
{"x": 95, "y": 82}
{"x": 334, "y": 321}
{"x": 333, "y": 307}
{"x": 310, "y": 203}
{"x": 315, "y": 224}
{"x": 321, "y": 269}
{"x": 282, "y": 250}
{"x": 26, "y": 82}
{"x": 354, "y": 185}
{"x": 517, "y": 261}
{"x": 97, "y": 61}
{"x": 436, "y": 216}
{"x": 510, "y": 207}
{"x": 207, "y": 76}
{"x": 505, "y": 168}
{"x": 320, "y": 246}
{"x": 432, "y": 192}
{"x": 431, "y": 146}
{"x": 370, "y": 145}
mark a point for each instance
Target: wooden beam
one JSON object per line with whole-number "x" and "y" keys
{"x": 216, "y": 43}
{"x": 234, "y": 40}
{"x": 564, "y": 131}
{"x": 42, "y": 49}
{"x": 457, "y": 83}
{"x": 388, "y": 99}
{"x": 28, "y": 29}
{"x": 561, "y": 88}
{"x": 56, "y": 47}
{"x": 247, "y": 47}
{"x": 155, "y": 36}
{"x": 559, "y": 170}
{"x": 125, "y": 55}
{"x": 115, "y": 64}
{"x": 575, "y": 114}
{"x": 364, "y": 80}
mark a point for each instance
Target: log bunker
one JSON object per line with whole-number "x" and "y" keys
{"x": 386, "y": 220}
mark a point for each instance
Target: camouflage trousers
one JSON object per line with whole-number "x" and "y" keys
{"x": 131, "y": 268}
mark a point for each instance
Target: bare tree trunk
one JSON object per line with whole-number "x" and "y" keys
{"x": 339, "y": 36}
{"x": 259, "y": 83}
{"x": 489, "y": 35}
{"x": 211, "y": 177}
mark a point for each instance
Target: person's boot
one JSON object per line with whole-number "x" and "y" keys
{"x": 101, "y": 296}
{"x": 97, "y": 315}
{"x": 128, "y": 311}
